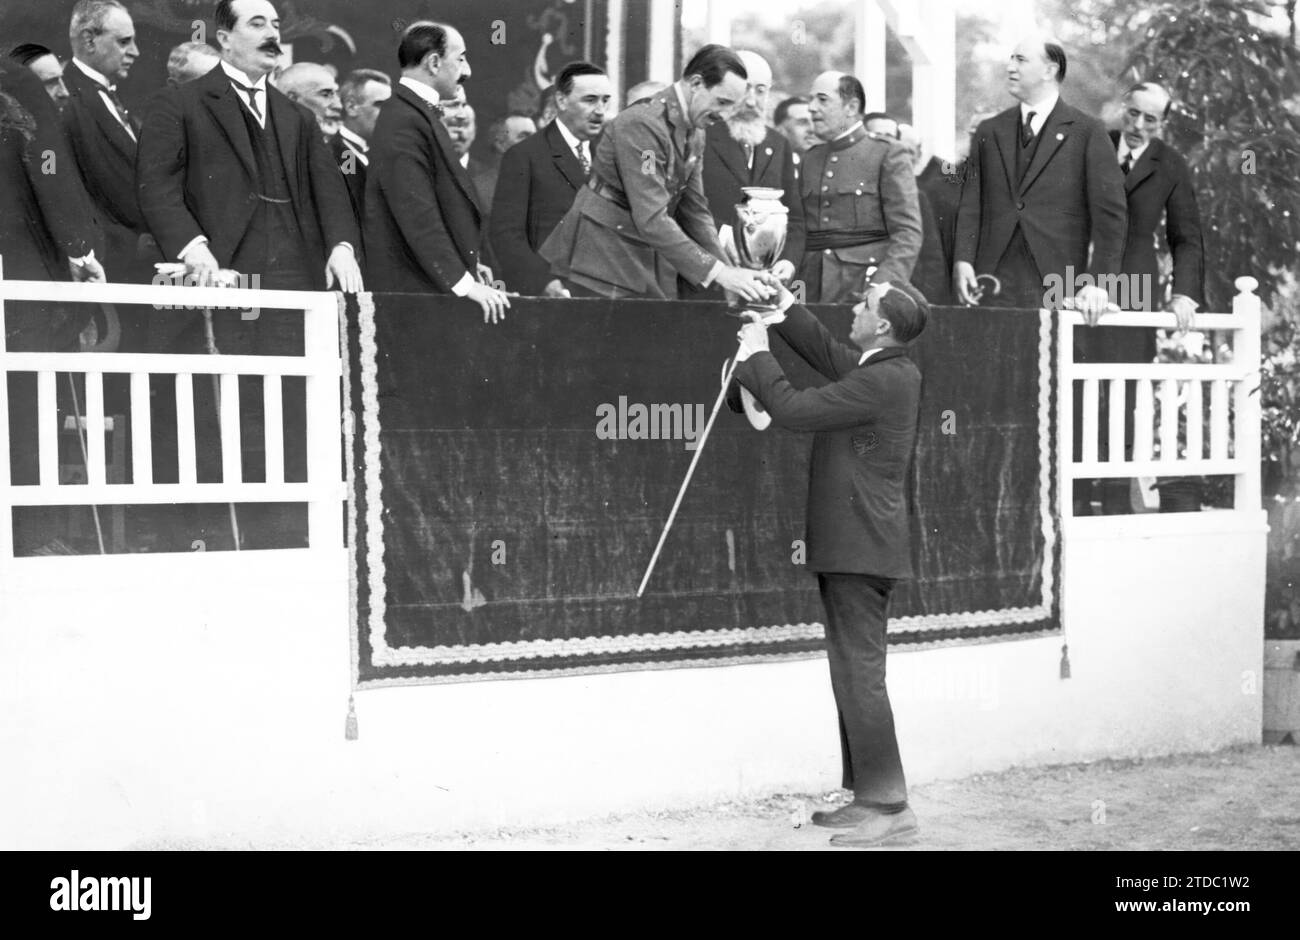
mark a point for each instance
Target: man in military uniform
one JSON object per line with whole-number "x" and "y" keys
{"x": 642, "y": 218}
{"x": 859, "y": 198}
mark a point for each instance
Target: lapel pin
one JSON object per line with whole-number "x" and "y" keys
{"x": 1060, "y": 137}
{"x": 767, "y": 151}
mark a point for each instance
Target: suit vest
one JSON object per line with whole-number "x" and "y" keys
{"x": 273, "y": 246}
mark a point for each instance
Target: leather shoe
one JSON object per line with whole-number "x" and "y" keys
{"x": 846, "y": 817}
{"x": 879, "y": 829}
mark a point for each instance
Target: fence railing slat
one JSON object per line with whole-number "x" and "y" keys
{"x": 185, "y": 455}
{"x": 141, "y": 430}
{"x": 47, "y": 425}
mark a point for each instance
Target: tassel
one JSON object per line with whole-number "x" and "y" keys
{"x": 1065, "y": 661}
{"x": 350, "y": 726}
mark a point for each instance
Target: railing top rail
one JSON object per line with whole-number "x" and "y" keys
{"x": 169, "y": 296}
{"x": 1167, "y": 321}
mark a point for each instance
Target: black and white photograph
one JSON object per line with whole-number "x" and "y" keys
{"x": 851, "y": 426}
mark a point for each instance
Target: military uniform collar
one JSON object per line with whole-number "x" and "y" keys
{"x": 853, "y": 136}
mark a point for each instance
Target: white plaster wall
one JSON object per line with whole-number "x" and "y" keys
{"x": 204, "y": 696}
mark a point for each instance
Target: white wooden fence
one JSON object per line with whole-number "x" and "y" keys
{"x": 1228, "y": 443}
{"x": 320, "y": 364}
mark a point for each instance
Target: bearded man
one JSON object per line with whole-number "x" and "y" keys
{"x": 744, "y": 151}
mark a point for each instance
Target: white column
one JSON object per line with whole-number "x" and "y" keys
{"x": 869, "y": 52}
{"x": 934, "y": 78}
{"x": 718, "y": 23}
{"x": 615, "y": 14}
{"x": 663, "y": 32}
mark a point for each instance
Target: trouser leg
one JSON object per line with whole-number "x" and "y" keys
{"x": 856, "y": 613}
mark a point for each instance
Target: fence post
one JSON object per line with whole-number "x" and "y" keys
{"x": 6, "y": 507}
{"x": 324, "y": 411}
{"x": 1247, "y": 406}
{"x": 1065, "y": 412}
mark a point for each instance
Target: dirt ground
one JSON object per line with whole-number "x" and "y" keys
{"x": 1245, "y": 798}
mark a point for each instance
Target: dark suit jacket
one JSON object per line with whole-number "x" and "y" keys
{"x": 103, "y": 149}
{"x": 931, "y": 276}
{"x": 538, "y": 179}
{"x": 424, "y": 225}
{"x": 1072, "y": 193}
{"x": 865, "y": 424}
{"x": 655, "y": 224}
{"x": 44, "y": 217}
{"x": 196, "y": 171}
{"x": 726, "y": 172}
{"x": 941, "y": 184}
{"x": 1160, "y": 184}
{"x": 353, "y": 165}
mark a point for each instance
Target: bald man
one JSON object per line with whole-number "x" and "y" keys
{"x": 1042, "y": 187}
{"x": 743, "y": 151}
{"x": 859, "y": 198}
{"x": 316, "y": 89}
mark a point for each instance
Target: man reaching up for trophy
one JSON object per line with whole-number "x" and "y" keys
{"x": 642, "y": 218}
{"x": 858, "y": 535}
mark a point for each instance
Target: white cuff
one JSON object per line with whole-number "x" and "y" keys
{"x": 713, "y": 273}
{"x": 201, "y": 240}
{"x": 461, "y": 287}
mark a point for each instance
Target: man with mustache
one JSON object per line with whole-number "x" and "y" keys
{"x": 744, "y": 151}
{"x": 859, "y": 198}
{"x": 233, "y": 175}
{"x": 424, "y": 220}
{"x": 540, "y": 177}
{"x": 642, "y": 219}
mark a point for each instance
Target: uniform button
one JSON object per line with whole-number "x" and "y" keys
{"x": 827, "y": 251}
{"x": 826, "y": 218}
{"x": 858, "y": 193}
{"x": 824, "y": 188}
{"x": 829, "y": 174}
{"x": 1020, "y": 205}
{"x": 835, "y": 159}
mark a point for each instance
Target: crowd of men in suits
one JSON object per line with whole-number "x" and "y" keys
{"x": 225, "y": 174}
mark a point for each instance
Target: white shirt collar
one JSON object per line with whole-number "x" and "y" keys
{"x": 92, "y": 74}
{"x": 1124, "y": 150}
{"x": 569, "y": 137}
{"x": 356, "y": 140}
{"x": 681, "y": 99}
{"x": 1041, "y": 110}
{"x": 235, "y": 75}
{"x": 420, "y": 88}
{"x": 464, "y": 160}
{"x": 869, "y": 353}
{"x": 848, "y": 131}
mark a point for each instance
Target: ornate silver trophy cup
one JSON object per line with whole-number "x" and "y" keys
{"x": 759, "y": 236}
{"x": 759, "y": 233}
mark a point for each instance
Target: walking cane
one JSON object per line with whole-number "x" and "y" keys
{"x": 85, "y": 459}
{"x": 211, "y": 340}
{"x": 690, "y": 471}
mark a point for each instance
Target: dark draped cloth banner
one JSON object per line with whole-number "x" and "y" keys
{"x": 508, "y": 484}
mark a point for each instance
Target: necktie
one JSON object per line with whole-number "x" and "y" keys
{"x": 1027, "y": 131}
{"x": 251, "y": 91}
{"x": 1128, "y": 162}
{"x": 583, "y": 158}
{"x": 123, "y": 114}
{"x": 749, "y": 155}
